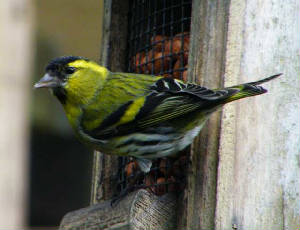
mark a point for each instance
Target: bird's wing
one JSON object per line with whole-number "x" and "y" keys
{"x": 167, "y": 99}
{"x": 172, "y": 99}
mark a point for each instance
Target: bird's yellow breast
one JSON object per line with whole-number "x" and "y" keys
{"x": 73, "y": 114}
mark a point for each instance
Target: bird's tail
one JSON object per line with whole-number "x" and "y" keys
{"x": 248, "y": 89}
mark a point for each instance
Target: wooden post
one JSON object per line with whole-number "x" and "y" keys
{"x": 16, "y": 50}
{"x": 259, "y": 175}
{"x": 206, "y": 67}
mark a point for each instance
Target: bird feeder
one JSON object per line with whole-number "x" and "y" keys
{"x": 150, "y": 37}
{"x": 197, "y": 41}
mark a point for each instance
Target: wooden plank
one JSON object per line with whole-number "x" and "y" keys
{"x": 206, "y": 66}
{"x": 259, "y": 175}
{"x": 228, "y": 130}
{"x": 16, "y": 45}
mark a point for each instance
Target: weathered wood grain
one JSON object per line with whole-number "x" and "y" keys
{"x": 259, "y": 175}
{"x": 140, "y": 210}
{"x": 206, "y": 66}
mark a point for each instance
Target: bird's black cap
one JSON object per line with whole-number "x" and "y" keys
{"x": 56, "y": 63}
{"x": 57, "y": 67}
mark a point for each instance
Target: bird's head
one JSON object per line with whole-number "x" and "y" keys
{"x": 73, "y": 79}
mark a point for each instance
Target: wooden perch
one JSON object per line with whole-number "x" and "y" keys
{"x": 138, "y": 210}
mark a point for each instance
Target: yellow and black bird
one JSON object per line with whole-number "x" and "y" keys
{"x": 136, "y": 115}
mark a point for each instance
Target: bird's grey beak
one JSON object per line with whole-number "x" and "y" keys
{"x": 47, "y": 81}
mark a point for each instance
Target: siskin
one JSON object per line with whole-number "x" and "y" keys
{"x": 136, "y": 115}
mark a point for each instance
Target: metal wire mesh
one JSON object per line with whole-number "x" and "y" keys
{"x": 158, "y": 44}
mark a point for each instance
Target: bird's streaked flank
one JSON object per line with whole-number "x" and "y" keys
{"x": 137, "y": 115}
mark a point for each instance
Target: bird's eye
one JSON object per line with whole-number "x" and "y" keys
{"x": 70, "y": 70}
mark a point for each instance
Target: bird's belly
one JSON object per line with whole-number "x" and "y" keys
{"x": 189, "y": 136}
{"x": 144, "y": 145}
{"x": 151, "y": 146}
{"x": 153, "y": 142}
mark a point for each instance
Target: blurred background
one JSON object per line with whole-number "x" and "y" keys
{"x": 44, "y": 171}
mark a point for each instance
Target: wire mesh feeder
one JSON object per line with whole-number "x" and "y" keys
{"x": 158, "y": 44}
